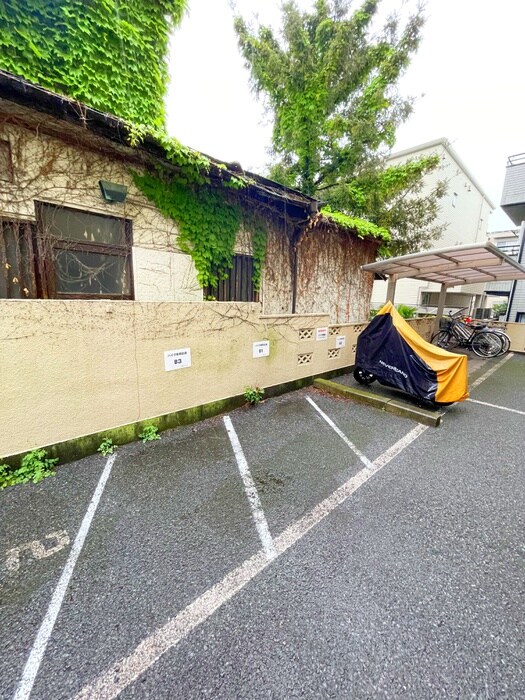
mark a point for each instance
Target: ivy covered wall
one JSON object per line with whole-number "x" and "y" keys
{"x": 109, "y": 54}
{"x": 208, "y": 221}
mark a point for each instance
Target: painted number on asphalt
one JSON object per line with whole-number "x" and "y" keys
{"x": 38, "y": 549}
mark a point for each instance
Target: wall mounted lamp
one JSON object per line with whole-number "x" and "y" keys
{"x": 113, "y": 192}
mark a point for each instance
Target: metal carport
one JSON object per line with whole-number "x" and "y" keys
{"x": 464, "y": 264}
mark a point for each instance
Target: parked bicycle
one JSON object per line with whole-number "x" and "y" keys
{"x": 483, "y": 340}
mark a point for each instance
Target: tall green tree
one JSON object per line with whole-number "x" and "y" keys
{"x": 330, "y": 82}
{"x": 109, "y": 54}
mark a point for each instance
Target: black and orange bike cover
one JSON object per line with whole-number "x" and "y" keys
{"x": 392, "y": 352}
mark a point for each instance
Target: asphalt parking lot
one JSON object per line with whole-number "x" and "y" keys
{"x": 305, "y": 548}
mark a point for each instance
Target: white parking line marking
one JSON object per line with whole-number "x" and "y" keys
{"x": 331, "y": 423}
{"x": 298, "y": 530}
{"x": 121, "y": 674}
{"x": 400, "y": 445}
{"x": 492, "y": 370}
{"x": 251, "y": 492}
{"x": 37, "y": 548}
{"x": 501, "y": 408}
{"x": 46, "y": 628}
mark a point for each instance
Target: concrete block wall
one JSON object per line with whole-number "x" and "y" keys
{"x": 73, "y": 368}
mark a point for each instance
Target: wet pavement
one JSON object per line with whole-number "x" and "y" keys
{"x": 399, "y": 570}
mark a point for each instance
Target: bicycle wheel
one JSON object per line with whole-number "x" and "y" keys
{"x": 444, "y": 339}
{"x": 505, "y": 340}
{"x": 486, "y": 344}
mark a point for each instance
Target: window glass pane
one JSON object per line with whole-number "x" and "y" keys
{"x": 17, "y": 276}
{"x": 239, "y": 285}
{"x": 79, "y": 272}
{"x": 72, "y": 225}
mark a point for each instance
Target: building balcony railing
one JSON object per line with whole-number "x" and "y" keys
{"x": 517, "y": 159}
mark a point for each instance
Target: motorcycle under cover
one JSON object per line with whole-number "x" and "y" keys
{"x": 392, "y": 350}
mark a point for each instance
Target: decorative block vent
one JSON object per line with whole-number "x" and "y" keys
{"x": 358, "y": 329}
{"x": 305, "y": 358}
{"x": 354, "y": 347}
{"x": 333, "y": 353}
{"x": 334, "y": 330}
{"x": 306, "y": 333}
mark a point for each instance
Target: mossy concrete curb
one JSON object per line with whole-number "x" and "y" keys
{"x": 76, "y": 448}
{"x": 398, "y": 408}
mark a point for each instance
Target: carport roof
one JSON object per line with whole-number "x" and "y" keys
{"x": 463, "y": 264}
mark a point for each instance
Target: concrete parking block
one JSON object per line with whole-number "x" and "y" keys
{"x": 383, "y": 403}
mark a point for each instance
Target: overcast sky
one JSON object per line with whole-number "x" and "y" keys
{"x": 468, "y": 76}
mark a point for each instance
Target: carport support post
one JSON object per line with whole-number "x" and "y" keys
{"x": 391, "y": 288}
{"x": 441, "y": 306}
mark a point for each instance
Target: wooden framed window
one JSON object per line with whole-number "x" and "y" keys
{"x": 83, "y": 255}
{"x": 17, "y": 260}
{"x": 239, "y": 285}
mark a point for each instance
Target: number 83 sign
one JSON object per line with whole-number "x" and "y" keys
{"x": 177, "y": 359}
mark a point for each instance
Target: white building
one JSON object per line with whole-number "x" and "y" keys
{"x": 513, "y": 204}
{"x": 465, "y": 210}
{"x": 509, "y": 242}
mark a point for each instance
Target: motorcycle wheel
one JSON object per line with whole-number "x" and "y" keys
{"x": 363, "y": 377}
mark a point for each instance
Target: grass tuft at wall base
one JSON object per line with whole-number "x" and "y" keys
{"x": 71, "y": 450}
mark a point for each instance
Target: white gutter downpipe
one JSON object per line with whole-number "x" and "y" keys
{"x": 391, "y": 288}
{"x": 441, "y": 306}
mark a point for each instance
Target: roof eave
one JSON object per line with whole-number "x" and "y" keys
{"x": 31, "y": 96}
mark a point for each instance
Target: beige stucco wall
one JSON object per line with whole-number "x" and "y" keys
{"x": 164, "y": 276}
{"x": 516, "y": 333}
{"x": 71, "y": 368}
{"x": 424, "y": 326}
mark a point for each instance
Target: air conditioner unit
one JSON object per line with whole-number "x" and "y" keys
{"x": 483, "y": 313}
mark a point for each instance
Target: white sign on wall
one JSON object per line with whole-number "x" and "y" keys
{"x": 177, "y": 359}
{"x": 261, "y": 348}
{"x": 321, "y": 334}
{"x": 340, "y": 341}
